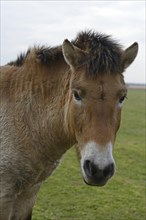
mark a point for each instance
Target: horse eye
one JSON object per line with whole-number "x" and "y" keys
{"x": 77, "y": 96}
{"x": 122, "y": 99}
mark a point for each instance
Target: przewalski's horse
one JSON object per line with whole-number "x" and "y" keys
{"x": 51, "y": 99}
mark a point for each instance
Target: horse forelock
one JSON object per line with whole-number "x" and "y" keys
{"x": 104, "y": 52}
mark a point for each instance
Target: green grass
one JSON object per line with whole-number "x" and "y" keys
{"x": 64, "y": 196}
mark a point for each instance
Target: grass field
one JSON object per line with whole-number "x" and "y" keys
{"x": 64, "y": 196}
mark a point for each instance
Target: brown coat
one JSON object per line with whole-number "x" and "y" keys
{"x": 51, "y": 99}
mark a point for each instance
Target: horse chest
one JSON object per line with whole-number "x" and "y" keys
{"x": 46, "y": 172}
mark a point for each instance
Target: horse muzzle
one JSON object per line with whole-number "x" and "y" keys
{"x": 97, "y": 163}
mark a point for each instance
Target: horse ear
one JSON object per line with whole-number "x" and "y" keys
{"x": 73, "y": 56}
{"x": 129, "y": 55}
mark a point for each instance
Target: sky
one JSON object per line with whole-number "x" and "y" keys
{"x": 28, "y": 23}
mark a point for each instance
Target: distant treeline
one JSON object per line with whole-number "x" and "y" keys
{"x": 136, "y": 85}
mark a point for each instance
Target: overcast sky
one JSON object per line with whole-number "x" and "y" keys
{"x": 25, "y": 23}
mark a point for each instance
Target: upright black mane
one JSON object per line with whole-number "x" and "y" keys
{"x": 104, "y": 53}
{"x": 20, "y": 59}
{"x": 44, "y": 54}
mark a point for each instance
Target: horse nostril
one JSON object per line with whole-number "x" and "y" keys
{"x": 93, "y": 172}
{"x": 90, "y": 168}
{"x": 109, "y": 170}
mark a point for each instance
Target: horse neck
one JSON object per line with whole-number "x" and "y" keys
{"x": 50, "y": 92}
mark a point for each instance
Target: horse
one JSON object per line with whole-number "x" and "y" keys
{"x": 51, "y": 99}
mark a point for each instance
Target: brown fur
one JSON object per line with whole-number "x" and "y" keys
{"x": 40, "y": 120}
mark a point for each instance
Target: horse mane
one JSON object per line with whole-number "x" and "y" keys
{"x": 104, "y": 53}
{"x": 44, "y": 54}
{"x": 20, "y": 59}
